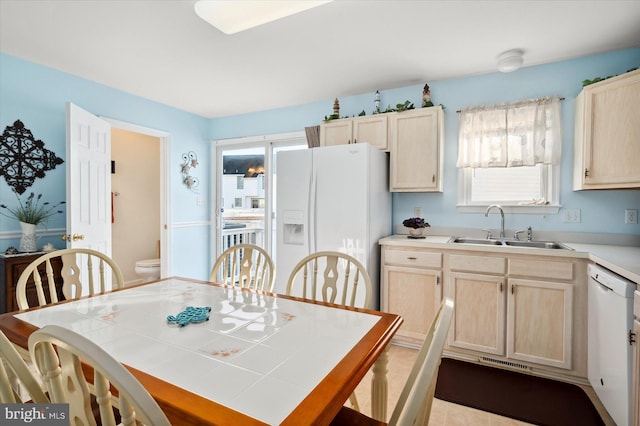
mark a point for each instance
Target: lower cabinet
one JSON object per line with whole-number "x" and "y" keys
{"x": 515, "y": 310}
{"x": 411, "y": 287}
{"x": 540, "y": 322}
{"x": 518, "y": 308}
{"x": 479, "y": 311}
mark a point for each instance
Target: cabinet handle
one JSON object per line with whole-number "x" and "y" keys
{"x": 412, "y": 258}
{"x": 501, "y": 287}
{"x": 433, "y": 178}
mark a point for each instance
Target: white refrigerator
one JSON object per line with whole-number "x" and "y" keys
{"x": 332, "y": 198}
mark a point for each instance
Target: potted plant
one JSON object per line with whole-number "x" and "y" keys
{"x": 30, "y": 214}
{"x": 416, "y": 225}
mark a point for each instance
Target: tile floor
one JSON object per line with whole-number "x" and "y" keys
{"x": 443, "y": 413}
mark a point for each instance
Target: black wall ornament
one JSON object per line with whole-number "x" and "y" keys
{"x": 24, "y": 158}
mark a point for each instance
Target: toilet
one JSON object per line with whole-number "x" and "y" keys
{"x": 148, "y": 269}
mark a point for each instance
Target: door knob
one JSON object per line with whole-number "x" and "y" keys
{"x": 75, "y": 237}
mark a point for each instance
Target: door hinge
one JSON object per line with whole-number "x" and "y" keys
{"x": 501, "y": 287}
{"x": 437, "y": 280}
{"x": 632, "y": 337}
{"x": 586, "y": 173}
{"x": 513, "y": 288}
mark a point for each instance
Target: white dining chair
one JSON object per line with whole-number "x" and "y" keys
{"x": 415, "y": 401}
{"x": 246, "y": 266}
{"x": 41, "y": 270}
{"x": 59, "y": 355}
{"x": 17, "y": 382}
{"x": 331, "y": 277}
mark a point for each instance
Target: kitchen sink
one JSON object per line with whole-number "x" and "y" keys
{"x": 538, "y": 244}
{"x": 483, "y": 241}
{"x": 513, "y": 243}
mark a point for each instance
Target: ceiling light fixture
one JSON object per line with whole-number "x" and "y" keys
{"x": 511, "y": 60}
{"x": 231, "y": 17}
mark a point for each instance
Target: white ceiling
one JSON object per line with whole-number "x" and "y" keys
{"x": 161, "y": 50}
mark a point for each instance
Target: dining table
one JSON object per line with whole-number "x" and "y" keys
{"x": 255, "y": 358}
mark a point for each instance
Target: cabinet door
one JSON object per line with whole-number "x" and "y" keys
{"x": 607, "y": 134}
{"x": 479, "y": 312}
{"x": 414, "y": 294}
{"x": 539, "y": 322}
{"x": 336, "y": 132}
{"x": 372, "y": 130}
{"x": 417, "y": 140}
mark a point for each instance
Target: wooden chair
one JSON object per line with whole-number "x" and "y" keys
{"x": 59, "y": 355}
{"x": 332, "y": 277}
{"x": 414, "y": 405}
{"x": 245, "y": 265}
{"x": 96, "y": 262}
{"x": 16, "y": 377}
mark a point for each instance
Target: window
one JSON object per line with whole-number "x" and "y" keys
{"x": 509, "y": 154}
{"x": 239, "y": 182}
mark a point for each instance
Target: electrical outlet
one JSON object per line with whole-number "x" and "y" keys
{"x": 417, "y": 212}
{"x": 572, "y": 216}
{"x": 631, "y": 216}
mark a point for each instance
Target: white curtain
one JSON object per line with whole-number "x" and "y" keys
{"x": 523, "y": 133}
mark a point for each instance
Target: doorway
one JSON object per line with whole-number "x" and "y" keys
{"x": 140, "y": 197}
{"x": 243, "y": 180}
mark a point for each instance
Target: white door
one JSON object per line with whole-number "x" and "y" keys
{"x": 88, "y": 181}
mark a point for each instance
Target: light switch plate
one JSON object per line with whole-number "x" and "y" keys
{"x": 572, "y": 216}
{"x": 631, "y": 216}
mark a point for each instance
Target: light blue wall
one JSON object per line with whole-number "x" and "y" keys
{"x": 601, "y": 211}
{"x": 37, "y": 95}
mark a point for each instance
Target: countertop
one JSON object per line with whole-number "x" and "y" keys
{"x": 623, "y": 260}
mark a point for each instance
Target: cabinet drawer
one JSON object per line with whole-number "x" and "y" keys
{"x": 414, "y": 258}
{"x": 541, "y": 269}
{"x": 477, "y": 264}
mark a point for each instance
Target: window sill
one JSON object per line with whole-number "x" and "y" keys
{"x": 515, "y": 209}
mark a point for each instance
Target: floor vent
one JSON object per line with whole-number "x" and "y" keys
{"x": 505, "y": 363}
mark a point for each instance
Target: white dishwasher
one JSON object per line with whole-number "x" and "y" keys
{"x": 610, "y": 353}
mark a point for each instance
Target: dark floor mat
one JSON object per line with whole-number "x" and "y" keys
{"x": 519, "y": 396}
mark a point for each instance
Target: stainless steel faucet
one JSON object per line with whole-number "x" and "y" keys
{"x": 497, "y": 206}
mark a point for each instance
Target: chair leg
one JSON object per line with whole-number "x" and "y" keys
{"x": 354, "y": 402}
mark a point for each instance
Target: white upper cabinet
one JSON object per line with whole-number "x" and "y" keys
{"x": 607, "y": 134}
{"x": 416, "y": 141}
{"x": 371, "y": 129}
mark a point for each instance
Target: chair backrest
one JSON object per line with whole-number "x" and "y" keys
{"x": 332, "y": 277}
{"x": 414, "y": 405}
{"x": 246, "y": 266}
{"x": 72, "y": 260}
{"x": 59, "y": 354}
{"x": 15, "y": 376}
